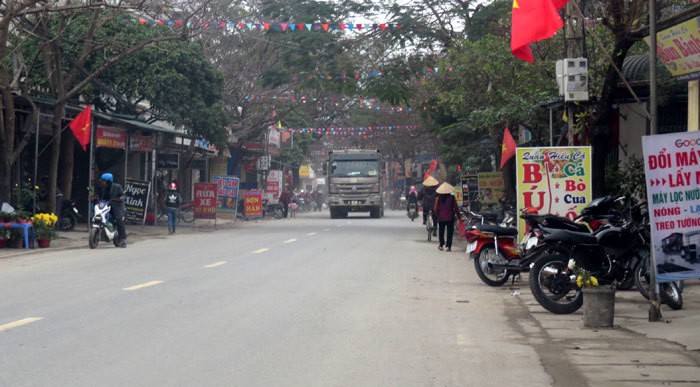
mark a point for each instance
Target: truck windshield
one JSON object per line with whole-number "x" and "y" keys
{"x": 354, "y": 168}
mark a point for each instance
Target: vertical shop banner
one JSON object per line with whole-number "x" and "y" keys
{"x": 491, "y": 188}
{"x": 672, "y": 168}
{"x": 273, "y": 186}
{"x": 553, "y": 180}
{"x": 136, "y": 202}
{"x": 470, "y": 189}
{"x": 227, "y": 196}
{"x": 252, "y": 201}
{"x": 205, "y": 200}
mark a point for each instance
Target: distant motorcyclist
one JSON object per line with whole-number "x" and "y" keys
{"x": 113, "y": 193}
{"x": 412, "y": 197}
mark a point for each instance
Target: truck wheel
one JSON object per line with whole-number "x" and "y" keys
{"x": 374, "y": 212}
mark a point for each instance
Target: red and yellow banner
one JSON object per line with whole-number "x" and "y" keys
{"x": 554, "y": 180}
{"x": 111, "y": 138}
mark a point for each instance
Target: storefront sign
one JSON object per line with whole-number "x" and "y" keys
{"x": 679, "y": 48}
{"x": 490, "y": 187}
{"x": 111, "y": 138}
{"x": 168, "y": 161}
{"x": 470, "y": 189}
{"x": 672, "y": 168}
{"x": 140, "y": 143}
{"x": 205, "y": 200}
{"x": 273, "y": 185}
{"x": 137, "y": 193}
{"x": 227, "y": 196}
{"x": 553, "y": 180}
{"x": 253, "y": 203}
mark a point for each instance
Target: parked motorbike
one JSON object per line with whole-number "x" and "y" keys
{"x": 611, "y": 254}
{"x": 670, "y": 293}
{"x": 412, "y": 211}
{"x": 101, "y": 228}
{"x": 498, "y": 257}
{"x": 69, "y": 215}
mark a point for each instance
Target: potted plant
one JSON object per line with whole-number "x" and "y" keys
{"x": 44, "y": 228}
{"x": 598, "y": 301}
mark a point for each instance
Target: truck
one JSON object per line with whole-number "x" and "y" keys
{"x": 354, "y": 182}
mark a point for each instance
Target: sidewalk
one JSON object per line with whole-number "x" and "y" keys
{"x": 78, "y": 238}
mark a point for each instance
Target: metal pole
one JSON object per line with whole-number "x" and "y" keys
{"x": 92, "y": 160}
{"x": 654, "y": 305}
{"x": 36, "y": 161}
{"x": 551, "y": 128}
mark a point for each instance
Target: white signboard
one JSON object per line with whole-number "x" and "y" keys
{"x": 672, "y": 167}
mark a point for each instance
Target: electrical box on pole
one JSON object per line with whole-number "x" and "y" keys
{"x": 572, "y": 78}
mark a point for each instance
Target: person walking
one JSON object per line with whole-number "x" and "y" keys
{"x": 446, "y": 210}
{"x": 285, "y": 199}
{"x": 427, "y": 198}
{"x": 173, "y": 200}
{"x": 114, "y": 194}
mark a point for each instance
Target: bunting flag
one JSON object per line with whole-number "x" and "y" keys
{"x": 81, "y": 126}
{"x": 532, "y": 21}
{"x": 369, "y": 131}
{"x": 269, "y": 26}
{"x": 508, "y": 147}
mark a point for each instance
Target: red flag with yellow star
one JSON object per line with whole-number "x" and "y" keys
{"x": 508, "y": 147}
{"x": 531, "y": 21}
{"x": 81, "y": 126}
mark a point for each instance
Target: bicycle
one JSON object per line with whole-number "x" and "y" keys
{"x": 429, "y": 225}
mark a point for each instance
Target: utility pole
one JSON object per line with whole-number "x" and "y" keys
{"x": 575, "y": 48}
{"x": 654, "y": 304}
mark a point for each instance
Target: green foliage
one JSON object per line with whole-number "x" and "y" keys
{"x": 627, "y": 179}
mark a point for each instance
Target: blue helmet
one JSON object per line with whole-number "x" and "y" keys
{"x": 107, "y": 177}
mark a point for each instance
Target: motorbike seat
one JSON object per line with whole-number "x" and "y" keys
{"x": 486, "y": 215}
{"x": 576, "y": 237}
{"x": 498, "y": 230}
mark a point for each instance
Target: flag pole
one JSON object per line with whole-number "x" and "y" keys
{"x": 92, "y": 157}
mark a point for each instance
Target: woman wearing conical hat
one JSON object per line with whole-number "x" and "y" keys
{"x": 427, "y": 198}
{"x": 446, "y": 210}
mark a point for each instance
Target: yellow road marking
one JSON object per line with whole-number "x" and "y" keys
{"x": 19, "y": 323}
{"x": 290, "y": 240}
{"x": 311, "y": 233}
{"x": 215, "y": 264}
{"x": 144, "y": 285}
{"x": 260, "y": 250}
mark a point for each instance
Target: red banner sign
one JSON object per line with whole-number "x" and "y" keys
{"x": 253, "y": 203}
{"x": 111, "y": 138}
{"x": 205, "y": 200}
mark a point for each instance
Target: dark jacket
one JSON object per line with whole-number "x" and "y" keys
{"x": 446, "y": 208}
{"x": 427, "y": 198}
{"x": 114, "y": 194}
{"x": 173, "y": 199}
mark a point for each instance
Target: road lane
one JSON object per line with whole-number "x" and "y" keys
{"x": 361, "y": 302}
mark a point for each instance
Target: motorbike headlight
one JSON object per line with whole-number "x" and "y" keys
{"x": 98, "y": 218}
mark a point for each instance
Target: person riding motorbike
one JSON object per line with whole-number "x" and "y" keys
{"x": 412, "y": 197}
{"x": 113, "y": 193}
{"x": 427, "y": 197}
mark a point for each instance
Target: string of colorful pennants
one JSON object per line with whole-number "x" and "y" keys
{"x": 359, "y": 103}
{"x": 350, "y": 131}
{"x": 269, "y": 26}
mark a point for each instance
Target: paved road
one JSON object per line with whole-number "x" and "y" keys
{"x": 300, "y": 302}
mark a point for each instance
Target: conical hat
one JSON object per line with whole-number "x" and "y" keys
{"x": 445, "y": 188}
{"x": 430, "y": 182}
